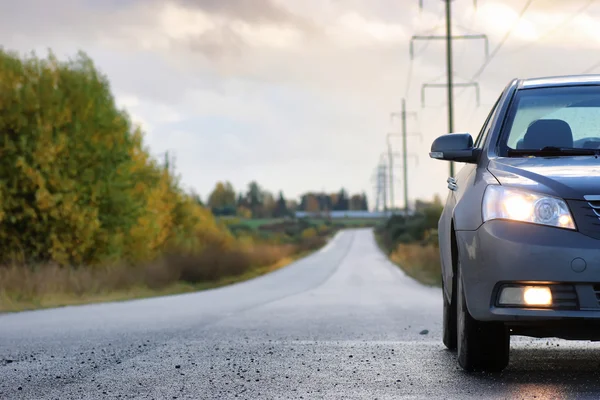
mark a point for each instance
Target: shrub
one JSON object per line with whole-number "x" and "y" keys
{"x": 323, "y": 229}
{"x": 77, "y": 186}
{"x": 309, "y": 233}
{"x": 421, "y": 262}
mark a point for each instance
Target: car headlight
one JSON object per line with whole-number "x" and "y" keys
{"x": 500, "y": 202}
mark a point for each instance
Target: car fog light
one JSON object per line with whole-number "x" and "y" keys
{"x": 526, "y": 296}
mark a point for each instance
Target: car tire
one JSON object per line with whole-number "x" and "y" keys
{"x": 449, "y": 329}
{"x": 482, "y": 346}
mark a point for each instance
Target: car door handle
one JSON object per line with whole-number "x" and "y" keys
{"x": 452, "y": 183}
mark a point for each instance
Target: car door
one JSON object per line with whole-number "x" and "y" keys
{"x": 457, "y": 186}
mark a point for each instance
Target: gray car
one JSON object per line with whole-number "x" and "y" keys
{"x": 520, "y": 232}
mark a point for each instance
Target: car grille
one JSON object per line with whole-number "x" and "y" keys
{"x": 595, "y": 205}
{"x": 587, "y": 215}
{"x": 565, "y": 296}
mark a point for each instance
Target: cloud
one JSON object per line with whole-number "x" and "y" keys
{"x": 255, "y": 11}
{"x": 297, "y": 94}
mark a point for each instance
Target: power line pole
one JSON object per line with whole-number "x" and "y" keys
{"x": 449, "y": 73}
{"x": 403, "y": 114}
{"x": 404, "y": 157}
{"x": 380, "y": 183}
{"x": 391, "y": 167}
{"x": 383, "y": 175}
{"x": 449, "y": 62}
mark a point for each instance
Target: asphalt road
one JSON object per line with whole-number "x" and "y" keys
{"x": 341, "y": 324}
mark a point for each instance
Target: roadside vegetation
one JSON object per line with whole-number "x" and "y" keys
{"x": 412, "y": 242}
{"x": 86, "y": 214}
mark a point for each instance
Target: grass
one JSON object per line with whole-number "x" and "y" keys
{"x": 421, "y": 262}
{"x": 29, "y": 288}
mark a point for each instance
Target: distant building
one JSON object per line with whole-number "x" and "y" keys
{"x": 348, "y": 214}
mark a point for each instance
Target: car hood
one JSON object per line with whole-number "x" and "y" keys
{"x": 566, "y": 177}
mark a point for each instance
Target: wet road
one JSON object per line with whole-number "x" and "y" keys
{"x": 341, "y": 324}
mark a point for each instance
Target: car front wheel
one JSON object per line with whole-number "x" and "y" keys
{"x": 449, "y": 338}
{"x": 481, "y": 345}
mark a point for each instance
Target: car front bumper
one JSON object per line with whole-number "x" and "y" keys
{"x": 512, "y": 252}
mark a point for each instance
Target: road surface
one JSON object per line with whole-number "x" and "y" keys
{"x": 343, "y": 323}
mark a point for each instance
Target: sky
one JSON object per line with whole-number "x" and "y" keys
{"x": 297, "y": 94}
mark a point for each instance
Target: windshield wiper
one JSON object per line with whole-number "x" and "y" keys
{"x": 553, "y": 151}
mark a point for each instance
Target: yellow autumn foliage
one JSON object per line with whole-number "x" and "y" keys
{"x": 76, "y": 185}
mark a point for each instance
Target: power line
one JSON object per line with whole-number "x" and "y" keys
{"x": 449, "y": 63}
{"x": 504, "y": 39}
{"x": 410, "y": 66}
{"x": 438, "y": 26}
{"x": 557, "y": 28}
{"x": 471, "y": 24}
{"x": 590, "y": 69}
{"x": 499, "y": 46}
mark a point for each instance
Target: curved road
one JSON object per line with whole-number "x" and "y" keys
{"x": 343, "y": 323}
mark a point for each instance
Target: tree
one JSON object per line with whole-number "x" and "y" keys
{"x": 356, "y": 202}
{"x": 222, "y": 196}
{"x": 268, "y": 205}
{"x": 292, "y": 206}
{"x": 222, "y": 199}
{"x": 77, "y": 187}
{"x": 242, "y": 201}
{"x": 281, "y": 209}
{"x": 312, "y": 203}
{"x": 343, "y": 203}
{"x": 196, "y": 197}
{"x": 255, "y": 198}
{"x": 365, "y": 204}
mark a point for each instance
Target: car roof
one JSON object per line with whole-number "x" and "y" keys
{"x": 554, "y": 81}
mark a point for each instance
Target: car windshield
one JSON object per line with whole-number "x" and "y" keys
{"x": 558, "y": 118}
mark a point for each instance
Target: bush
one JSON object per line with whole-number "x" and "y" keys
{"x": 323, "y": 229}
{"x": 418, "y": 228}
{"x": 421, "y": 262}
{"x": 309, "y": 233}
{"x": 77, "y": 186}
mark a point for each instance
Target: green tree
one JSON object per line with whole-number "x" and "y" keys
{"x": 356, "y": 202}
{"x": 222, "y": 196}
{"x": 281, "y": 209}
{"x": 255, "y": 198}
{"x": 365, "y": 204}
{"x": 268, "y": 205}
{"x": 76, "y": 185}
{"x": 343, "y": 203}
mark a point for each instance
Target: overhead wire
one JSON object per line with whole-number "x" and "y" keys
{"x": 502, "y": 41}
{"x": 555, "y": 29}
{"x": 500, "y": 44}
{"x": 411, "y": 62}
{"x": 591, "y": 68}
{"x": 464, "y": 46}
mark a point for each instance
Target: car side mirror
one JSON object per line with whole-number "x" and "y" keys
{"x": 454, "y": 147}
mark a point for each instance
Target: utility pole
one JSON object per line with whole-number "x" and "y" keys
{"x": 391, "y": 163}
{"x": 449, "y": 73}
{"x": 403, "y": 114}
{"x": 404, "y": 157}
{"x": 383, "y": 178}
{"x": 449, "y": 62}
{"x": 380, "y": 184}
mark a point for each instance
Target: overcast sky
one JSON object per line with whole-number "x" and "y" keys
{"x": 296, "y": 94}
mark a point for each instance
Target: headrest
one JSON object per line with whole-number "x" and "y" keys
{"x": 548, "y": 132}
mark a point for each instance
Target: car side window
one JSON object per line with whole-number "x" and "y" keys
{"x": 486, "y": 126}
